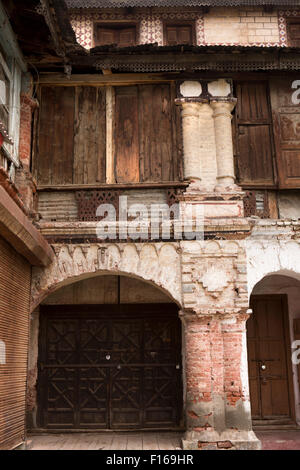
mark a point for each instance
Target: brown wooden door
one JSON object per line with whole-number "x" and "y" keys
{"x": 254, "y": 138}
{"x": 268, "y": 359}
{"x": 110, "y": 368}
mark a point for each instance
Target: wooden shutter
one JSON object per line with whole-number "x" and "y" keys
{"x": 14, "y": 331}
{"x": 56, "y": 136}
{"x": 71, "y": 146}
{"x": 127, "y": 37}
{"x": 123, "y": 36}
{"x": 126, "y": 135}
{"x": 105, "y": 36}
{"x": 286, "y": 117}
{"x": 179, "y": 34}
{"x": 254, "y": 143}
{"x": 89, "y": 136}
{"x": 148, "y": 139}
{"x": 293, "y": 30}
{"x": 159, "y": 134}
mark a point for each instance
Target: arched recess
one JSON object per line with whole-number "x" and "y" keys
{"x": 109, "y": 297}
{"x": 275, "y": 300}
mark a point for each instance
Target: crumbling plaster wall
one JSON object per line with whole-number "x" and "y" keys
{"x": 208, "y": 281}
{"x": 267, "y": 256}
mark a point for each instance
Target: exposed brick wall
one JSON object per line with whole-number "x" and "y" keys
{"x": 24, "y": 180}
{"x": 232, "y": 344}
{"x": 27, "y": 107}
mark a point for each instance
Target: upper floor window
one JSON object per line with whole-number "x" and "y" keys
{"x": 179, "y": 33}
{"x": 10, "y": 88}
{"x": 121, "y": 34}
{"x": 5, "y": 87}
{"x": 293, "y": 30}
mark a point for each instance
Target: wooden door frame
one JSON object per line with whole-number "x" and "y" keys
{"x": 283, "y": 298}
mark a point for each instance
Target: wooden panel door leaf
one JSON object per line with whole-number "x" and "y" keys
{"x": 286, "y": 117}
{"x": 156, "y": 133}
{"x": 71, "y": 144}
{"x": 147, "y": 134}
{"x": 56, "y": 139}
{"x": 89, "y": 136}
{"x": 127, "y": 135}
{"x": 269, "y": 360}
{"x": 254, "y": 139}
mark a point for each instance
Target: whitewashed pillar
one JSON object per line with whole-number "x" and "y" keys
{"x": 190, "y": 130}
{"x": 199, "y": 144}
{"x": 222, "y": 109}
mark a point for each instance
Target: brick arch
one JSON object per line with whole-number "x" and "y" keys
{"x": 156, "y": 264}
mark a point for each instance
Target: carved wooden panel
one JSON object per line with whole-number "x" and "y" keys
{"x": 256, "y": 203}
{"x": 111, "y": 367}
{"x": 89, "y": 201}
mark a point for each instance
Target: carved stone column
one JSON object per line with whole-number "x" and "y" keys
{"x": 199, "y": 144}
{"x": 207, "y": 148}
{"x": 190, "y": 130}
{"x": 222, "y": 108}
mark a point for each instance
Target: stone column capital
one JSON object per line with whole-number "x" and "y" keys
{"x": 223, "y": 105}
{"x": 189, "y": 109}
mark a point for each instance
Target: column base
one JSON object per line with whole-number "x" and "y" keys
{"x": 216, "y": 205}
{"x": 227, "y": 440}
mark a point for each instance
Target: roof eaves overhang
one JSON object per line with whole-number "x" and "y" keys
{"x": 177, "y": 3}
{"x": 153, "y": 58}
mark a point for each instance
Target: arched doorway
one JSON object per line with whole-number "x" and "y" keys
{"x": 109, "y": 357}
{"x": 273, "y": 378}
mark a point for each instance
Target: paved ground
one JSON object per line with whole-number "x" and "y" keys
{"x": 105, "y": 441}
{"x": 279, "y": 440}
{"x": 271, "y": 440}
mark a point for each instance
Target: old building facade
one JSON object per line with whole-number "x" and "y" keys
{"x": 167, "y": 108}
{"x": 21, "y": 244}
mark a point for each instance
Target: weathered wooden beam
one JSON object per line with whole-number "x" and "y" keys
{"x": 77, "y": 187}
{"x": 99, "y": 79}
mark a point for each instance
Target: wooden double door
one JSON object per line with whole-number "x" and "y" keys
{"x": 110, "y": 367}
{"x": 269, "y": 360}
